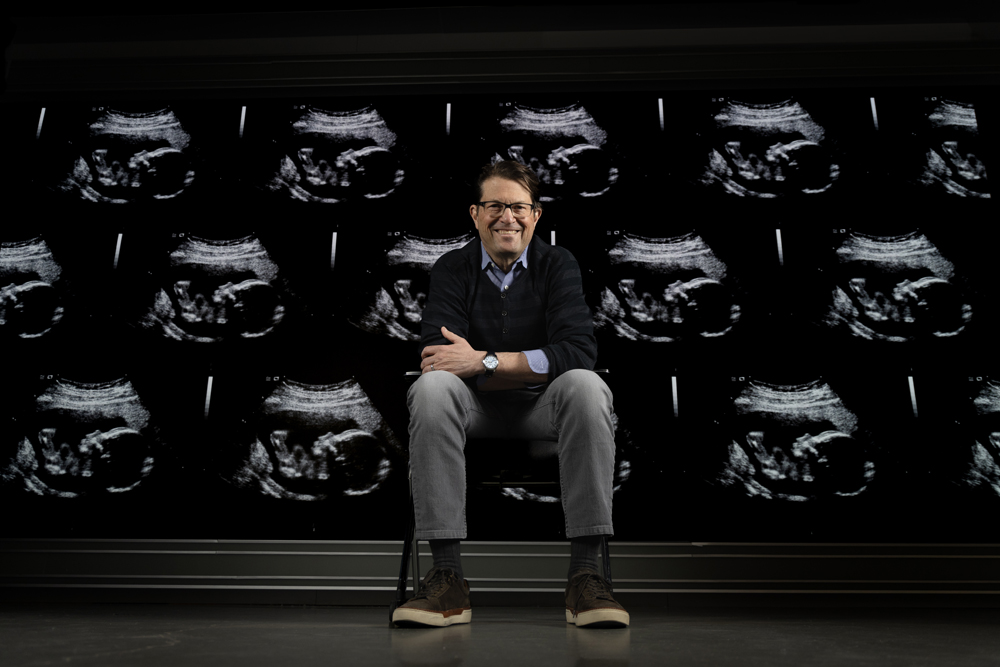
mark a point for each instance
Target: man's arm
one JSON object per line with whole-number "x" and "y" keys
{"x": 459, "y": 358}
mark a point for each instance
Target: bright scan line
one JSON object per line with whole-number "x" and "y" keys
{"x": 660, "y": 103}
{"x": 552, "y": 237}
{"x": 874, "y": 114}
{"x": 673, "y": 390}
{"x": 913, "y": 396}
{"x": 208, "y": 395}
{"x": 118, "y": 249}
{"x": 243, "y": 120}
{"x": 781, "y": 251}
{"x": 333, "y": 250}
{"x": 447, "y": 119}
{"x": 41, "y": 119}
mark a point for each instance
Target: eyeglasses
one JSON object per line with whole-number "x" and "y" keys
{"x": 495, "y": 209}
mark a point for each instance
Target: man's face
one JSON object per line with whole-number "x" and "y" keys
{"x": 505, "y": 237}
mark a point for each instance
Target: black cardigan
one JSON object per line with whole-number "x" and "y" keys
{"x": 544, "y": 307}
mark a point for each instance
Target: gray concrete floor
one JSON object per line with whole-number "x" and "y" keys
{"x": 219, "y": 635}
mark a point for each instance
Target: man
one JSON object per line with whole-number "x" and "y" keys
{"x": 508, "y": 349}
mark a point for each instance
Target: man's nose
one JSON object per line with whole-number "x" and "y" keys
{"x": 507, "y": 215}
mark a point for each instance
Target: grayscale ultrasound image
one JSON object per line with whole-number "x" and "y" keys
{"x": 768, "y": 150}
{"x": 800, "y": 443}
{"x": 395, "y": 308}
{"x": 937, "y": 143}
{"x": 85, "y": 439}
{"x": 896, "y": 288}
{"x": 128, "y": 156}
{"x": 216, "y": 290}
{"x": 309, "y": 442}
{"x": 30, "y": 305}
{"x": 984, "y": 468}
{"x": 563, "y": 145}
{"x": 666, "y": 289}
{"x": 333, "y": 156}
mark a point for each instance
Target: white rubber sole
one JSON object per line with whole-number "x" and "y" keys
{"x": 603, "y": 618}
{"x": 436, "y": 619}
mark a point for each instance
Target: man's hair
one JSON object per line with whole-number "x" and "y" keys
{"x": 510, "y": 170}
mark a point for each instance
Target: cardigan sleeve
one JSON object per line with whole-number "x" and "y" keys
{"x": 446, "y": 301}
{"x": 571, "y": 341}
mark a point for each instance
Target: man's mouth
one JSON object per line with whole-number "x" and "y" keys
{"x": 507, "y": 232}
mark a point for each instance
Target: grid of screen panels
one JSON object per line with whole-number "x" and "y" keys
{"x": 207, "y": 309}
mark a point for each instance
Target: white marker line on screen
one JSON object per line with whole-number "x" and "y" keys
{"x": 874, "y": 114}
{"x": 552, "y": 237}
{"x": 118, "y": 249}
{"x": 243, "y": 119}
{"x": 781, "y": 250}
{"x": 913, "y": 397}
{"x": 41, "y": 119}
{"x": 333, "y": 251}
{"x": 208, "y": 396}
{"x": 673, "y": 390}
{"x": 660, "y": 103}
{"x": 447, "y": 119}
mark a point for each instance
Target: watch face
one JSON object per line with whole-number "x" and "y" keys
{"x": 491, "y": 362}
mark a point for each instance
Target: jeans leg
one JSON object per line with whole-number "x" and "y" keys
{"x": 440, "y": 406}
{"x": 580, "y": 406}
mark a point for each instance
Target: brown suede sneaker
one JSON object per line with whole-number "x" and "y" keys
{"x": 441, "y": 600}
{"x": 589, "y": 602}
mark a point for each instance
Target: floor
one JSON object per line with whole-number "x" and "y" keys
{"x": 219, "y": 635}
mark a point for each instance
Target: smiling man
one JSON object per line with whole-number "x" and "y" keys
{"x": 508, "y": 350}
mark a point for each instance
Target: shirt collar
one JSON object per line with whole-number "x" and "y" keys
{"x": 523, "y": 259}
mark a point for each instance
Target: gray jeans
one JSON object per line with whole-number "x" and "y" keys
{"x": 574, "y": 411}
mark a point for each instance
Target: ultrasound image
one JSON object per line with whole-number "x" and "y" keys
{"x": 217, "y": 290}
{"x": 896, "y": 288}
{"x": 952, "y": 159}
{"x": 563, "y": 145}
{"x": 984, "y": 469}
{"x": 666, "y": 289}
{"x": 85, "y": 439}
{"x": 131, "y": 156}
{"x": 398, "y": 303}
{"x": 337, "y": 156}
{"x": 314, "y": 441}
{"x": 768, "y": 150}
{"x": 30, "y": 305}
{"x": 795, "y": 443}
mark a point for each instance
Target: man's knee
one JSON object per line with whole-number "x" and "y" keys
{"x": 434, "y": 389}
{"x": 584, "y": 388}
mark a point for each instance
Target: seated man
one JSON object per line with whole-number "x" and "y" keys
{"x": 508, "y": 352}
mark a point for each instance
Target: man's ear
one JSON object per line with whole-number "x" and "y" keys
{"x": 472, "y": 212}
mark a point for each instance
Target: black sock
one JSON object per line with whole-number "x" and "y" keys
{"x": 448, "y": 554}
{"x": 583, "y": 553}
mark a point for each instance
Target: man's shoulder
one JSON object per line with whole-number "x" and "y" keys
{"x": 454, "y": 259}
{"x": 550, "y": 256}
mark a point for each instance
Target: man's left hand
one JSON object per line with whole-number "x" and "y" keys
{"x": 457, "y": 357}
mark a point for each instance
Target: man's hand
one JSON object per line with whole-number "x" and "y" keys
{"x": 457, "y": 357}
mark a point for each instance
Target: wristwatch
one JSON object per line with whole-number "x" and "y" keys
{"x": 491, "y": 362}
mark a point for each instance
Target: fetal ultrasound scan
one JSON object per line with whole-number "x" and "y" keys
{"x": 326, "y": 152}
{"x": 895, "y": 289}
{"x": 30, "y": 305}
{"x": 132, "y": 154}
{"x": 199, "y": 290}
{"x": 80, "y": 439}
{"x": 303, "y": 441}
{"x": 571, "y": 143}
{"x": 933, "y": 145}
{"x": 392, "y": 304}
{"x": 761, "y": 146}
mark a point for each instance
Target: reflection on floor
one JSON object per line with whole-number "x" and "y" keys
{"x": 219, "y": 635}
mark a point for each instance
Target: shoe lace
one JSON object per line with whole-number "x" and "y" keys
{"x": 432, "y": 585}
{"x": 596, "y": 587}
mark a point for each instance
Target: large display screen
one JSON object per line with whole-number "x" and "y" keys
{"x": 207, "y": 309}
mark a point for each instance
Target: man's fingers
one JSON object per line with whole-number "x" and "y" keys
{"x": 449, "y": 335}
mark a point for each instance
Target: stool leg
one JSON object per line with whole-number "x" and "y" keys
{"x": 409, "y": 542}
